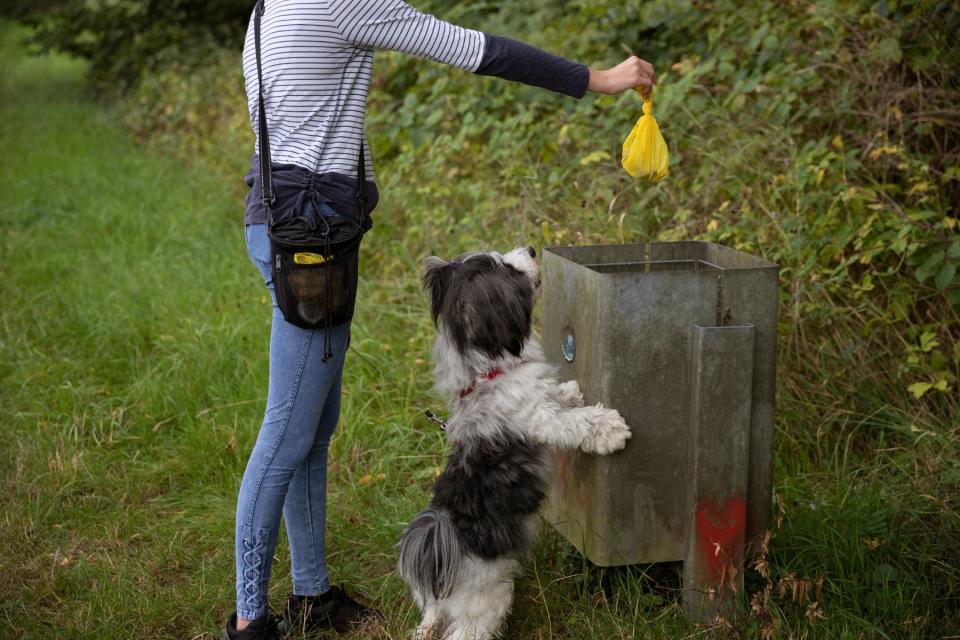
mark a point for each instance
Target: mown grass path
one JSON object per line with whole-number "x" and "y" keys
{"x": 127, "y": 312}
{"x": 133, "y": 336}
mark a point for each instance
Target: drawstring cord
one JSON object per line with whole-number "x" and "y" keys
{"x": 328, "y": 316}
{"x": 312, "y": 195}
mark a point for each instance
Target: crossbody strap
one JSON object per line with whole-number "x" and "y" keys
{"x": 267, "y": 195}
{"x": 362, "y": 184}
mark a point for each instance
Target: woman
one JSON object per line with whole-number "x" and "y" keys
{"x": 316, "y": 64}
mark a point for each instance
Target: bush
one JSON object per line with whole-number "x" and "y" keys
{"x": 823, "y": 137}
{"x": 25, "y": 9}
{"x": 126, "y": 39}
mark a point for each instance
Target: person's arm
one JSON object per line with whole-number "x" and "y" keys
{"x": 395, "y": 25}
{"x": 521, "y": 62}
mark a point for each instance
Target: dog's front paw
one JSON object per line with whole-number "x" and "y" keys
{"x": 608, "y": 433}
{"x": 570, "y": 394}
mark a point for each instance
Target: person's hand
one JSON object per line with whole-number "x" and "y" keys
{"x": 632, "y": 72}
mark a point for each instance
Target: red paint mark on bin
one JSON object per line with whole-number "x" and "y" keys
{"x": 572, "y": 489}
{"x": 718, "y": 530}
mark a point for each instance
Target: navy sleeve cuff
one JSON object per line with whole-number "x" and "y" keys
{"x": 520, "y": 62}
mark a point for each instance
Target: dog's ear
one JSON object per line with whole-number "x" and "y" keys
{"x": 436, "y": 280}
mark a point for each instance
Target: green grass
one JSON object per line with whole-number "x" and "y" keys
{"x": 133, "y": 361}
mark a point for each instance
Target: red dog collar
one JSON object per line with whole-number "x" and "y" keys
{"x": 489, "y": 375}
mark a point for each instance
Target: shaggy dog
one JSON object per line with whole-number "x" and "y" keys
{"x": 459, "y": 555}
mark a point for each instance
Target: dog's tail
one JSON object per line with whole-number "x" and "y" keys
{"x": 430, "y": 554}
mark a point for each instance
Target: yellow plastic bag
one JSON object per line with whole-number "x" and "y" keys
{"x": 308, "y": 258}
{"x": 645, "y": 151}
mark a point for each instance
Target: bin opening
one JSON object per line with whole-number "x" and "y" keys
{"x": 652, "y": 265}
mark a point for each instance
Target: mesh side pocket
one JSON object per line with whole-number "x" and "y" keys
{"x": 315, "y": 293}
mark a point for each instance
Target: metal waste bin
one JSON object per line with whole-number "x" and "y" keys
{"x": 680, "y": 337}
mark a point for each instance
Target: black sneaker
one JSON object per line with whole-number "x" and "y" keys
{"x": 263, "y": 628}
{"x": 331, "y": 610}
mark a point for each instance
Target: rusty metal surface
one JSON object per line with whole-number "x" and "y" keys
{"x": 633, "y": 310}
{"x": 720, "y": 407}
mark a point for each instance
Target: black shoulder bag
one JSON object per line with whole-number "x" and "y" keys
{"x": 314, "y": 258}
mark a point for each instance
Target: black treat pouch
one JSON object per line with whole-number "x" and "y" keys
{"x": 315, "y": 267}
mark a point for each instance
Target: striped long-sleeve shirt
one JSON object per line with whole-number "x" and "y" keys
{"x": 317, "y": 60}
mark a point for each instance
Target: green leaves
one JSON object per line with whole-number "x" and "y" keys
{"x": 919, "y": 388}
{"x": 594, "y": 157}
{"x": 939, "y": 264}
{"x": 945, "y": 276}
{"x": 887, "y": 50}
{"x": 931, "y": 265}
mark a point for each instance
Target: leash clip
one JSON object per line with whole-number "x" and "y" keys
{"x": 433, "y": 418}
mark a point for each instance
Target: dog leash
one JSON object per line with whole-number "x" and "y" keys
{"x": 431, "y": 416}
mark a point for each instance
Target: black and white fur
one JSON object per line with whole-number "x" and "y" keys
{"x": 459, "y": 555}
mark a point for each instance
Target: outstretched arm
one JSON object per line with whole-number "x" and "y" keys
{"x": 513, "y": 60}
{"x": 396, "y": 26}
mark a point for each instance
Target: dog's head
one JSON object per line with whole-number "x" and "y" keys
{"x": 484, "y": 301}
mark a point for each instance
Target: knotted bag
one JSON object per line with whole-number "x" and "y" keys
{"x": 645, "y": 151}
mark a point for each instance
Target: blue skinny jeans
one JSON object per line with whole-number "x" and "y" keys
{"x": 287, "y": 470}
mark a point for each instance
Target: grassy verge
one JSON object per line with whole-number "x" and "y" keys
{"x": 134, "y": 336}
